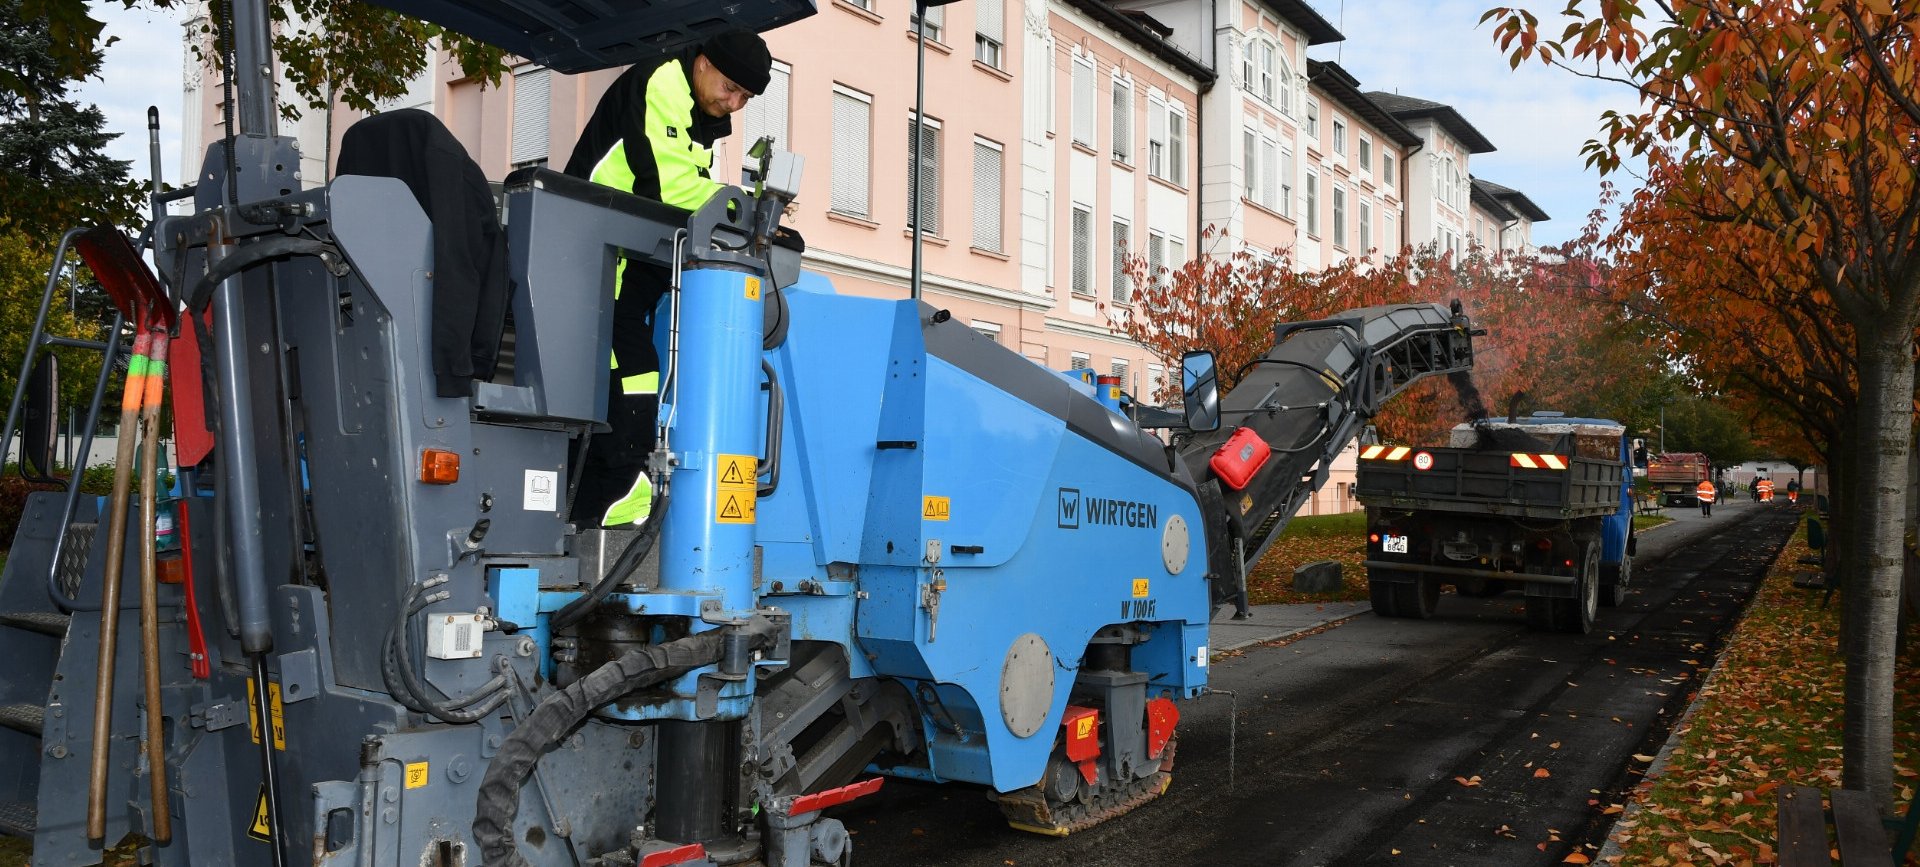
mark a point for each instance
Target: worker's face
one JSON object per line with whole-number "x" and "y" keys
{"x": 716, "y": 94}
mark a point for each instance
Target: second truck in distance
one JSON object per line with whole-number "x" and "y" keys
{"x": 1541, "y": 503}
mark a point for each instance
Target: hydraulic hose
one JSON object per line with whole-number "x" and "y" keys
{"x": 558, "y": 714}
{"x": 623, "y": 566}
{"x": 397, "y": 669}
{"x": 249, "y": 255}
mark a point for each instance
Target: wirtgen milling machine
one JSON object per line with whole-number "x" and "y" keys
{"x": 883, "y": 545}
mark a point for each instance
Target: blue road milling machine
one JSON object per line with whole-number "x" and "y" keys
{"x": 883, "y": 544}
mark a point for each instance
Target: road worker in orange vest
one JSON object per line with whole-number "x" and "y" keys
{"x": 1766, "y": 490}
{"x": 1705, "y": 495}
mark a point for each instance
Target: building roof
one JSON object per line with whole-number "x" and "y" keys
{"x": 1148, "y": 33}
{"x": 1345, "y": 89}
{"x": 1319, "y": 30}
{"x": 1409, "y": 108}
{"x": 1514, "y": 200}
{"x": 1484, "y": 199}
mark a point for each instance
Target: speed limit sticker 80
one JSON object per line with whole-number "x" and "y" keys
{"x": 1423, "y": 460}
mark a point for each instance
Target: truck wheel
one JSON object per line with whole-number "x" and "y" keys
{"x": 1614, "y": 578}
{"x": 1416, "y": 599}
{"x": 1576, "y": 614}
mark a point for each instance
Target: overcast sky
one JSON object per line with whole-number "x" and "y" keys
{"x": 1432, "y": 49}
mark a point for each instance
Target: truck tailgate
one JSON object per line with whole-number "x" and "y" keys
{"x": 1488, "y": 482}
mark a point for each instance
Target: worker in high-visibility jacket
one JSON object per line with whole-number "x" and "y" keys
{"x": 652, "y": 135}
{"x": 1705, "y": 494}
{"x": 1765, "y": 487}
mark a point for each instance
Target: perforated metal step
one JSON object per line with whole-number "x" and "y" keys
{"x": 29, "y": 718}
{"x": 44, "y": 622}
{"x": 18, "y": 818}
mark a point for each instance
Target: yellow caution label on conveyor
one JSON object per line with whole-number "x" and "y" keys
{"x": 936, "y": 508}
{"x": 262, "y": 827}
{"x": 753, "y": 288}
{"x": 735, "y": 488}
{"x": 416, "y": 774}
{"x": 279, "y": 717}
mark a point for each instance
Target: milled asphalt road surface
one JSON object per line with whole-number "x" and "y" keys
{"x": 1349, "y": 742}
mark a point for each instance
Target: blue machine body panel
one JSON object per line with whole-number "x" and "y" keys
{"x": 929, "y": 516}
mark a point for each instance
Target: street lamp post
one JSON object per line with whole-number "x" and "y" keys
{"x": 920, "y": 8}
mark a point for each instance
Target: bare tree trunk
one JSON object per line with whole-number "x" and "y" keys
{"x": 1874, "y": 572}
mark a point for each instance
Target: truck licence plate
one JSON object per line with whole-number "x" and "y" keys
{"x": 1393, "y": 544}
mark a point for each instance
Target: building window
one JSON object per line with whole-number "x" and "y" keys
{"x": 929, "y": 175}
{"x": 1122, "y": 248}
{"x": 1166, "y": 142}
{"x": 1176, "y": 254}
{"x": 1083, "y": 108}
{"x": 1118, "y": 367}
{"x": 989, "y": 330}
{"x": 936, "y": 22}
{"x": 1082, "y": 361}
{"x": 1386, "y": 167}
{"x": 1312, "y": 203}
{"x": 1284, "y": 90}
{"x": 1366, "y": 154}
{"x": 1156, "y": 381}
{"x": 1387, "y": 235}
{"x": 1340, "y": 137}
{"x": 852, "y": 160}
{"x": 1082, "y": 240}
{"x": 1366, "y": 225}
{"x": 1263, "y": 181}
{"x": 1286, "y": 183}
{"x": 1156, "y": 257}
{"x": 1250, "y": 163}
{"x": 989, "y": 31}
{"x": 1313, "y": 118}
{"x": 988, "y": 180}
{"x": 863, "y": 4}
{"x": 1339, "y": 216}
{"x": 1122, "y": 121}
{"x": 532, "y": 99}
{"x": 766, "y": 114}
{"x": 1479, "y": 229}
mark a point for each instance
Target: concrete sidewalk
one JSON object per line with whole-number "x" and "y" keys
{"x": 1274, "y": 622}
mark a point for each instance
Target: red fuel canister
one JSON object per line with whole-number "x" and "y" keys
{"x": 1240, "y": 457}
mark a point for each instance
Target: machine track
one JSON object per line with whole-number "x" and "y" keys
{"x": 1032, "y": 810}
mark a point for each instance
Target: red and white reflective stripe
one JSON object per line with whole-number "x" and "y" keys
{"x": 834, "y": 797}
{"x": 1537, "y": 462}
{"x": 1385, "y": 453}
{"x": 676, "y": 855}
{"x": 1371, "y": 452}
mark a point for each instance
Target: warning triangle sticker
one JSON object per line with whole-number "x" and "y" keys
{"x": 732, "y": 508}
{"x": 732, "y": 476}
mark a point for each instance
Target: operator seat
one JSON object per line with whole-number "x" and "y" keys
{"x": 471, "y": 290}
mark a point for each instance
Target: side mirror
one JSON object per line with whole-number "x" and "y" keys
{"x": 40, "y": 419}
{"x": 1200, "y": 389}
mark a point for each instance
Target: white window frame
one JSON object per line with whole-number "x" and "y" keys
{"x": 1365, "y": 154}
{"x": 1122, "y": 133}
{"x": 1156, "y": 256}
{"x": 997, "y": 242}
{"x": 1339, "y": 136}
{"x": 1340, "y": 216}
{"x": 1176, "y": 144}
{"x": 1366, "y": 225}
{"x": 1311, "y": 203}
{"x": 1284, "y": 89}
{"x": 1080, "y": 280}
{"x": 990, "y": 40}
{"x": 1122, "y": 368}
{"x": 1085, "y": 101}
{"x": 1286, "y": 182}
{"x": 1080, "y": 361}
{"x": 1122, "y": 249}
{"x": 1313, "y": 119}
{"x": 1386, "y": 166}
{"x": 777, "y": 99}
{"x": 936, "y": 22}
{"x": 933, "y": 127}
{"x": 1156, "y": 137}
{"x": 842, "y": 160}
{"x": 526, "y": 146}
{"x": 989, "y": 330}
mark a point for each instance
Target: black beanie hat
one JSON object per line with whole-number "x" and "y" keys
{"x": 743, "y": 57}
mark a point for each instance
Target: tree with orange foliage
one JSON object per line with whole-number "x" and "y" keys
{"x": 1783, "y": 141}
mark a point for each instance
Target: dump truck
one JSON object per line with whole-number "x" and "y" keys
{"x": 1677, "y": 475}
{"x": 1541, "y": 503}
{"x": 882, "y": 545}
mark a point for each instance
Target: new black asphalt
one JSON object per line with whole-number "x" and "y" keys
{"x": 1465, "y": 739}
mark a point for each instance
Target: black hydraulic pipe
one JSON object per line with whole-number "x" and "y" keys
{"x": 692, "y": 774}
{"x": 263, "y": 711}
{"x": 240, "y": 488}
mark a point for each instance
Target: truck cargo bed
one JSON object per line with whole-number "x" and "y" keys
{"x": 1488, "y": 482}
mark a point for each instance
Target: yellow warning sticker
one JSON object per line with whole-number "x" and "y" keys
{"x": 1140, "y": 586}
{"x": 279, "y": 715}
{"x": 935, "y": 508}
{"x": 1083, "y": 727}
{"x": 734, "y": 507}
{"x": 753, "y": 288}
{"x": 1113, "y": 392}
{"x": 416, "y": 774}
{"x": 262, "y": 827}
{"x": 735, "y": 488}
